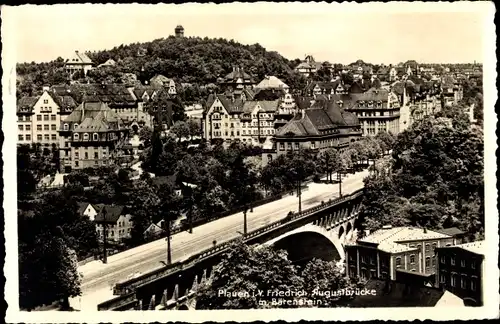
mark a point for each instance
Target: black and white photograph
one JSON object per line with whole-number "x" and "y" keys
{"x": 288, "y": 159}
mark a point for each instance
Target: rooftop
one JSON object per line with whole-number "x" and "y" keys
{"x": 388, "y": 239}
{"x": 478, "y": 247}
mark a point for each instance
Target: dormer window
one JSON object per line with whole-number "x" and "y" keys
{"x": 76, "y": 136}
{"x": 75, "y": 126}
{"x": 66, "y": 127}
{"x": 95, "y": 136}
{"x": 85, "y": 137}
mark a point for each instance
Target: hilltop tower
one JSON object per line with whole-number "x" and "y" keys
{"x": 179, "y": 31}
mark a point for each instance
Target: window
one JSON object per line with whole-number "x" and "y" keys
{"x": 76, "y": 164}
{"x": 45, "y": 101}
{"x": 20, "y": 127}
{"x": 39, "y": 117}
{"x": 289, "y": 146}
{"x": 21, "y": 138}
{"x": 46, "y": 117}
{"x": 462, "y": 263}
{"x": 27, "y": 127}
{"x": 412, "y": 258}
{"x": 77, "y": 154}
{"x": 453, "y": 279}
{"x": 473, "y": 284}
{"x": 427, "y": 247}
{"x": 76, "y": 136}
{"x": 419, "y": 246}
{"x": 463, "y": 282}
{"x": 46, "y": 137}
{"x": 473, "y": 264}
{"x": 363, "y": 259}
{"x": 66, "y": 127}
{"x": 86, "y": 155}
{"x": 412, "y": 246}
{"x": 282, "y": 146}
{"x": 373, "y": 273}
{"x": 39, "y": 137}
{"x": 452, "y": 260}
{"x": 434, "y": 246}
{"x": 53, "y": 127}
{"x": 52, "y": 117}
{"x": 427, "y": 262}
{"x": 75, "y": 126}
{"x": 28, "y": 137}
{"x": 85, "y": 136}
{"x": 297, "y": 145}
{"x": 443, "y": 259}
{"x": 46, "y": 127}
{"x": 53, "y": 137}
{"x": 28, "y": 118}
{"x": 96, "y": 137}
{"x": 38, "y": 127}
{"x": 372, "y": 260}
{"x": 442, "y": 277}
{"x": 398, "y": 261}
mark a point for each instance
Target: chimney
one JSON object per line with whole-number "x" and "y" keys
{"x": 425, "y": 230}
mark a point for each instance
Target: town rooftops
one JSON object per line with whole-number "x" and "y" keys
{"x": 452, "y": 231}
{"x": 25, "y": 104}
{"x": 108, "y": 213}
{"x": 387, "y": 239}
{"x": 94, "y": 117}
{"x": 315, "y": 120}
{"x": 238, "y": 75}
{"x": 477, "y": 247}
{"x": 271, "y": 82}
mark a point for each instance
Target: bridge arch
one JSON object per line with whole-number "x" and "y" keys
{"x": 348, "y": 228}
{"x": 308, "y": 242}
{"x": 341, "y": 231}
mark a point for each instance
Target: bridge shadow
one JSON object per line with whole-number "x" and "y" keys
{"x": 305, "y": 246}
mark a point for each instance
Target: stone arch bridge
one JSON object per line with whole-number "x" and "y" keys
{"x": 318, "y": 232}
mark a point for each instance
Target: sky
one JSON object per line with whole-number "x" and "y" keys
{"x": 339, "y": 33}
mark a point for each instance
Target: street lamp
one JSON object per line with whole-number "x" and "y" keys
{"x": 245, "y": 219}
{"x": 104, "y": 222}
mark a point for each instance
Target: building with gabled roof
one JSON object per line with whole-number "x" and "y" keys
{"x": 79, "y": 61}
{"x": 39, "y": 117}
{"x": 236, "y": 118}
{"x": 238, "y": 79}
{"x": 91, "y": 136}
{"x": 323, "y": 125}
{"x": 113, "y": 221}
{"x": 272, "y": 82}
{"x": 109, "y": 62}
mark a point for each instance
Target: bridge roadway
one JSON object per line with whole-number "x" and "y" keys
{"x": 98, "y": 279}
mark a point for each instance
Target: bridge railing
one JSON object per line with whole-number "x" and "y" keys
{"x": 128, "y": 285}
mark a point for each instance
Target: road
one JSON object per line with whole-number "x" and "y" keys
{"x": 99, "y": 279}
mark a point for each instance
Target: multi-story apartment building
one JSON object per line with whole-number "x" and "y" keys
{"x": 324, "y": 125}
{"x": 230, "y": 119}
{"x": 39, "y": 117}
{"x": 390, "y": 251}
{"x": 120, "y": 99}
{"x": 91, "y": 136}
{"x": 461, "y": 269}
{"x": 376, "y": 109}
{"x": 315, "y": 89}
{"x": 78, "y": 62}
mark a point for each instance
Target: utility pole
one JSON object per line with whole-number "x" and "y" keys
{"x": 299, "y": 194}
{"x": 340, "y": 182}
{"x": 105, "y": 236}
{"x": 169, "y": 247}
{"x": 245, "y": 220}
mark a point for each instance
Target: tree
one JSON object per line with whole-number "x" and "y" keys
{"x": 248, "y": 270}
{"x": 328, "y": 160}
{"x": 321, "y": 279}
{"x": 344, "y": 163}
{"x": 47, "y": 271}
{"x": 146, "y": 135}
{"x": 144, "y": 205}
{"x": 181, "y": 130}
